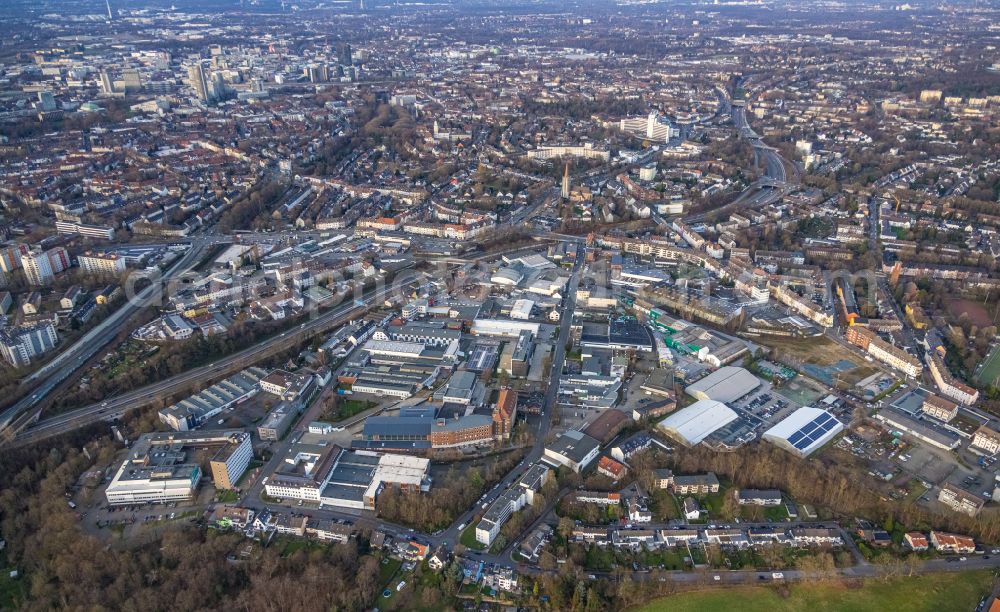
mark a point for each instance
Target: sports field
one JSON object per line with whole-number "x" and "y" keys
{"x": 990, "y": 370}
{"x": 822, "y": 359}
{"x": 931, "y": 592}
{"x": 978, "y": 313}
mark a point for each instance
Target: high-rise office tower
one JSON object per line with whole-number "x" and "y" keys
{"x": 196, "y": 79}
{"x": 108, "y": 4}
{"x": 132, "y": 80}
{"x": 344, "y": 54}
{"x": 565, "y": 183}
{"x": 107, "y": 85}
{"x": 317, "y": 73}
{"x": 217, "y": 87}
{"x": 46, "y": 101}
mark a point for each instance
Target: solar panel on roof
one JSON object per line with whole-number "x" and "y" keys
{"x": 826, "y": 425}
{"x": 815, "y": 422}
{"x": 812, "y": 431}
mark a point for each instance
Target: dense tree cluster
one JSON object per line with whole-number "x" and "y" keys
{"x": 581, "y": 108}
{"x": 828, "y": 485}
{"x": 172, "y": 359}
{"x": 449, "y": 497}
{"x": 185, "y": 569}
{"x": 250, "y": 211}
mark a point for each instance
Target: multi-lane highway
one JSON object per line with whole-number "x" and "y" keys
{"x": 775, "y": 166}
{"x": 117, "y": 406}
{"x": 775, "y": 183}
{"x": 69, "y": 360}
{"x": 756, "y": 195}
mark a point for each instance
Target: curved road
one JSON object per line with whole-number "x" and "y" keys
{"x": 765, "y": 190}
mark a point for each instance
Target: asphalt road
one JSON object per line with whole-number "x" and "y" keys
{"x": 71, "y": 359}
{"x": 452, "y": 533}
{"x": 756, "y": 195}
{"x": 774, "y": 164}
{"x": 746, "y": 577}
{"x": 759, "y": 193}
{"x": 117, "y": 406}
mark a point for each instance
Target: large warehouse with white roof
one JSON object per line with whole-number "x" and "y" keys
{"x": 804, "y": 431}
{"x": 691, "y": 425}
{"x": 727, "y": 384}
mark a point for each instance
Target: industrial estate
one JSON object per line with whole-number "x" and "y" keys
{"x": 481, "y": 305}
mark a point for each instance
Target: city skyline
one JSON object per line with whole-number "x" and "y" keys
{"x": 476, "y": 305}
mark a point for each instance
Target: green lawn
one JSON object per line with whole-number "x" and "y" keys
{"x": 932, "y": 592}
{"x": 349, "y": 408}
{"x": 776, "y": 513}
{"x": 227, "y": 496}
{"x": 13, "y": 591}
{"x": 346, "y": 408}
{"x": 990, "y": 370}
{"x": 291, "y": 545}
{"x": 698, "y": 556}
{"x": 915, "y": 490}
{"x": 599, "y": 558}
{"x": 737, "y": 559}
{"x": 669, "y": 558}
{"x": 713, "y": 502}
{"x": 468, "y": 538}
{"x": 387, "y": 570}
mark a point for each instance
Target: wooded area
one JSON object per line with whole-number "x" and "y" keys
{"x": 184, "y": 570}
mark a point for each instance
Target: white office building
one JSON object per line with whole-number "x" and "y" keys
{"x": 164, "y": 467}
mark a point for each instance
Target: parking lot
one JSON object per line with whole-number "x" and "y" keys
{"x": 764, "y": 407}
{"x": 142, "y": 519}
{"x": 918, "y": 470}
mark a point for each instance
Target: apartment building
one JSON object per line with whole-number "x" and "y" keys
{"x": 19, "y": 345}
{"x": 960, "y": 500}
{"x": 881, "y": 350}
{"x": 986, "y": 440}
{"x": 37, "y": 268}
{"x": 940, "y": 408}
{"x": 696, "y": 484}
{"x": 101, "y": 263}
{"x": 952, "y": 542}
{"x": 947, "y": 384}
{"x": 518, "y": 495}
{"x": 87, "y": 231}
{"x": 663, "y": 478}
